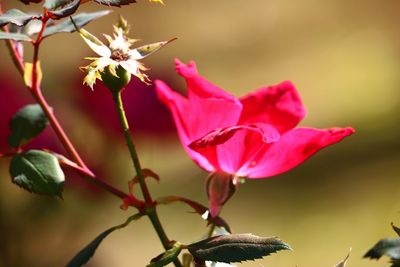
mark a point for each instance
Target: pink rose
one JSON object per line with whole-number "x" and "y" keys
{"x": 253, "y": 136}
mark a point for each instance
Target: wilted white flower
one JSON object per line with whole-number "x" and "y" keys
{"x": 117, "y": 53}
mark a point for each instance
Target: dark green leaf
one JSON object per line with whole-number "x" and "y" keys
{"x": 38, "y": 172}
{"x": 16, "y": 17}
{"x": 80, "y": 20}
{"x": 167, "y": 257}
{"x": 87, "y": 253}
{"x": 236, "y": 248}
{"x": 62, "y": 9}
{"x": 14, "y": 36}
{"x": 115, "y": 2}
{"x": 389, "y": 247}
{"x": 27, "y": 123}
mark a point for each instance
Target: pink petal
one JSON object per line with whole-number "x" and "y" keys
{"x": 178, "y": 105}
{"x": 232, "y": 148}
{"x": 278, "y": 105}
{"x": 209, "y": 107}
{"x": 293, "y": 148}
{"x": 197, "y": 85}
{"x": 206, "y": 109}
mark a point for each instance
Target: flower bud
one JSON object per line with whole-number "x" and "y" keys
{"x": 117, "y": 79}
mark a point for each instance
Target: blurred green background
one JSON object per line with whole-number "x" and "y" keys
{"x": 343, "y": 56}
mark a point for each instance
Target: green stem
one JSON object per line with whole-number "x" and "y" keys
{"x": 131, "y": 147}
{"x": 155, "y": 221}
{"x": 150, "y": 204}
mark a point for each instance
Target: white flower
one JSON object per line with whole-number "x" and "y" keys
{"x": 117, "y": 53}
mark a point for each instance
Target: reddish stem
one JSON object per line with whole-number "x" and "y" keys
{"x": 80, "y": 166}
{"x": 88, "y": 175}
{"x": 37, "y": 94}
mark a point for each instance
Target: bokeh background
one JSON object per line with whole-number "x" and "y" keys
{"x": 344, "y": 57}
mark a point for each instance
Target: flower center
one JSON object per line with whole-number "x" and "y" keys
{"x": 119, "y": 55}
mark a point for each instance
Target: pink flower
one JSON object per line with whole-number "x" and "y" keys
{"x": 252, "y": 137}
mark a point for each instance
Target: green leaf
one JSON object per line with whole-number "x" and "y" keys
{"x": 236, "y": 248}
{"x": 389, "y": 247}
{"x": 87, "y": 253}
{"x": 80, "y": 20}
{"x": 16, "y": 17}
{"x": 37, "y": 172}
{"x": 14, "y": 36}
{"x": 115, "y": 2}
{"x": 62, "y": 8}
{"x": 27, "y": 123}
{"x": 167, "y": 257}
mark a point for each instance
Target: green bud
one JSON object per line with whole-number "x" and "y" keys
{"x": 115, "y": 79}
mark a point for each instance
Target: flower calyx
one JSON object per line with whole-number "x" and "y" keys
{"x": 220, "y": 188}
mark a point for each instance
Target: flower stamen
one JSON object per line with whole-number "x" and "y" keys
{"x": 119, "y": 55}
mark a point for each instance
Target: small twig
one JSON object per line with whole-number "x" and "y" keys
{"x": 79, "y": 166}
{"x": 37, "y": 94}
{"x": 132, "y": 150}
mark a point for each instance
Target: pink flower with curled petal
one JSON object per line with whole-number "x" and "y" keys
{"x": 252, "y": 137}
